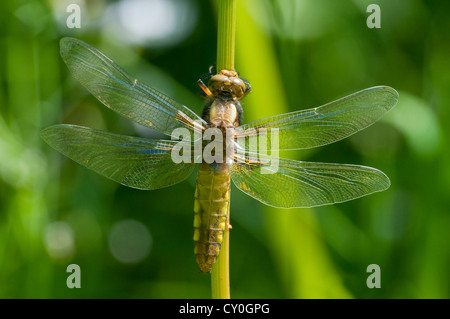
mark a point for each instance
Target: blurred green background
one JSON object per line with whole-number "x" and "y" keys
{"x": 297, "y": 54}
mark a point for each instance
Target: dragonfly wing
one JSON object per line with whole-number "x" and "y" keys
{"x": 322, "y": 125}
{"x": 112, "y": 86}
{"x": 135, "y": 162}
{"x": 289, "y": 183}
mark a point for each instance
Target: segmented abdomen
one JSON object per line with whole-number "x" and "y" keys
{"x": 211, "y": 207}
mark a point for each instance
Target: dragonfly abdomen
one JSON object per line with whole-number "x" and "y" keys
{"x": 211, "y": 207}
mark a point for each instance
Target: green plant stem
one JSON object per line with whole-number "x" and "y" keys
{"x": 220, "y": 274}
{"x": 226, "y": 27}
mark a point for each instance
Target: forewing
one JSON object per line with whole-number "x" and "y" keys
{"x": 131, "y": 161}
{"x": 120, "y": 92}
{"x": 289, "y": 183}
{"x": 322, "y": 125}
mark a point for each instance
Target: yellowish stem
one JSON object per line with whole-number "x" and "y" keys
{"x": 220, "y": 274}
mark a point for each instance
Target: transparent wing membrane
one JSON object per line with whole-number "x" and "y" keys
{"x": 131, "y": 161}
{"x": 322, "y": 125}
{"x": 112, "y": 86}
{"x": 287, "y": 183}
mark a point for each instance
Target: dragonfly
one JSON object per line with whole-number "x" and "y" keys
{"x": 148, "y": 164}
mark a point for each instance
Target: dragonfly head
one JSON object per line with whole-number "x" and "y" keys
{"x": 228, "y": 83}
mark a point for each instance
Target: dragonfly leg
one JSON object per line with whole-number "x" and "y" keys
{"x": 204, "y": 88}
{"x": 248, "y": 88}
{"x": 229, "y": 225}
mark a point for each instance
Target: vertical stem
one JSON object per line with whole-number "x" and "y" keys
{"x": 220, "y": 274}
{"x": 226, "y": 27}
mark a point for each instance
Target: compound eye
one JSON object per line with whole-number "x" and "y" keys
{"x": 217, "y": 79}
{"x": 238, "y": 87}
{"x": 216, "y": 82}
{"x": 237, "y": 82}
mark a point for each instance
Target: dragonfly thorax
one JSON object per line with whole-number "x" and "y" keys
{"x": 224, "y": 114}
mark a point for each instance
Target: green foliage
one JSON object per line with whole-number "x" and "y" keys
{"x": 296, "y": 55}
